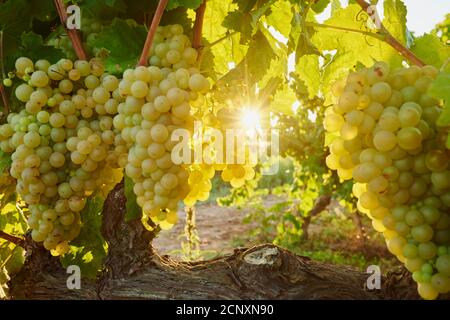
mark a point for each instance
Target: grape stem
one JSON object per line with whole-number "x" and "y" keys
{"x": 72, "y": 33}
{"x": 16, "y": 240}
{"x": 388, "y": 37}
{"x": 198, "y": 26}
{"x": 151, "y": 32}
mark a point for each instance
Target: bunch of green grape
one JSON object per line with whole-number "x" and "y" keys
{"x": 386, "y": 140}
{"x": 63, "y": 144}
{"x": 199, "y": 181}
{"x": 233, "y": 171}
{"x": 235, "y": 164}
{"x": 157, "y": 101}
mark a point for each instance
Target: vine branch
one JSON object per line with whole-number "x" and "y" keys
{"x": 16, "y": 240}
{"x": 388, "y": 37}
{"x": 224, "y": 37}
{"x": 5, "y": 99}
{"x": 151, "y": 32}
{"x": 72, "y": 33}
{"x": 378, "y": 36}
{"x": 198, "y": 25}
{"x": 320, "y": 205}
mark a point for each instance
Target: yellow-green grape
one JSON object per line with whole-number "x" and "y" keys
{"x": 156, "y": 101}
{"x": 61, "y": 156}
{"x": 399, "y": 165}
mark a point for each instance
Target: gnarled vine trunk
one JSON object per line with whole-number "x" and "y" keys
{"x": 133, "y": 270}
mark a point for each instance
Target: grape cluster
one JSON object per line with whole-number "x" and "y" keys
{"x": 63, "y": 144}
{"x": 387, "y": 140}
{"x": 157, "y": 101}
{"x": 236, "y": 171}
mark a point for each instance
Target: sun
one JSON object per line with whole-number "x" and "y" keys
{"x": 250, "y": 118}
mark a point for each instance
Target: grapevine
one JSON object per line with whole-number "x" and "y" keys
{"x": 155, "y": 115}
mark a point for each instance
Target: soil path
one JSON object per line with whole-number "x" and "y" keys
{"x": 216, "y": 226}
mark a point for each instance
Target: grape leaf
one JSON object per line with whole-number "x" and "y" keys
{"x": 308, "y": 70}
{"x": 110, "y": 3}
{"x": 304, "y": 45}
{"x": 16, "y": 17}
{"x": 104, "y": 9}
{"x": 12, "y": 257}
{"x": 395, "y": 19}
{"x": 240, "y": 22}
{"x": 5, "y": 161}
{"x": 256, "y": 62}
{"x": 280, "y": 12}
{"x": 431, "y": 50}
{"x": 229, "y": 48}
{"x": 440, "y": 89}
{"x": 133, "y": 210}
{"x": 12, "y": 221}
{"x": 320, "y": 5}
{"x": 300, "y": 35}
{"x": 89, "y": 249}
{"x": 261, "y": 9}
{"x": 283, "y": 100}
{"x": 124, "y": 41}
{"x": 33, "y": 47}
{"x": 350, "y": 48}
{"x": 191, "y": 4}
{"x": 245, "y": 5}
{"x": 178, "y": 16}
{"x": 13, "y": 24}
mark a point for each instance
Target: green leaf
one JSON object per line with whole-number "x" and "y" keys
{"x": 191, "y": 4}
{"x": 256, "y": 63}
{"x": 89, "y": 249}
{"x": 283, "y": 100}
{"x": 245, "y": 5}
{"x": 351, "y": 47}
{"x": 262, "y": 8}
{"x": 305, "y": 46}
{"x": 431, "y": 50}
{"x": 240, "y": 22}
{"x": 33, "y": 47}
{"x": 105, "y": 9}
{"x": 179, "y": 16}
{"x": 134, "y": 212}
{"x": 395, "y": 19}
{"x": 16, "y": 17}
{"x": 14, "y": 258}
{"x": 229, "y": 49}
{"x": 440, "y": 89}
{"x": 308, "y": 70}
{"x": 320, "y": 5}
{"x": 5, "y": 161}
{"x": 281, "y": 11}
{"x": 124, "y": 41}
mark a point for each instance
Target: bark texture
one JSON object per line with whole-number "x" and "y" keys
{"x": 134, "y": 271}
{"x": 261, "y": 272}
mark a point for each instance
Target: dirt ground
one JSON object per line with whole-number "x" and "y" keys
{"x": 216, "y": 226}
{"x": 221, "y": 230}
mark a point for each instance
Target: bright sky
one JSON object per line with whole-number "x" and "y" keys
{"x": 422, "y": 16}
